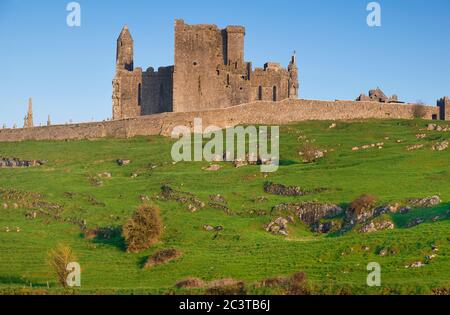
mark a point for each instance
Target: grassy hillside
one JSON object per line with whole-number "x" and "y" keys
{"x": 243, "y": 250}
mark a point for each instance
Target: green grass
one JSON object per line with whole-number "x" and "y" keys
{"x": 243, "y": 250}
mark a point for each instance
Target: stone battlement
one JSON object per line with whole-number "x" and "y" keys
{"x": 255, "y": 113}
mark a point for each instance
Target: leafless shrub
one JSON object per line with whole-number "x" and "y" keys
{"x": 190, "y": 283}
{"x": 162, "y": 257}
{"x": 419, "y": 110}
{"x": 58, "y": 260}
{"x": 143, "y": 229}
{"x": 362, "y": 203}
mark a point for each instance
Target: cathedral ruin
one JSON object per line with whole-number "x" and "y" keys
{"x": 210, "y": 72}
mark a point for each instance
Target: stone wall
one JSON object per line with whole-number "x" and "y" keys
{"x": 261, "y": 113}
{"x": 157, "y": 91}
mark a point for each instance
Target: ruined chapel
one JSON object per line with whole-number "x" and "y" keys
{"x": 209, "y": 72}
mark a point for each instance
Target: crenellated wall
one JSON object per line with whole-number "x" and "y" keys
{"x": 257, "y": 113}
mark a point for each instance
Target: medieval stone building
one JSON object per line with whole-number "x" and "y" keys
{"x": 209, "y": 72}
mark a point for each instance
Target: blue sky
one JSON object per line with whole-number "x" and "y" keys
{"x": 68, "y": 71}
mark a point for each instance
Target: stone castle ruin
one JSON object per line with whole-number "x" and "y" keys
{"x": 211, "y": 80}
{"x": 210, "y": 72}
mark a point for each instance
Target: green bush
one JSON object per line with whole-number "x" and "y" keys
{"x": 143, "y": 229}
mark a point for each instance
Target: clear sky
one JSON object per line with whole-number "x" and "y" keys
{"x": 68, "y": 71}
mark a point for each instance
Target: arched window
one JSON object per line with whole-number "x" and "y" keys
{"x": 228, "y": 79}
{"x": 260, "y": 93}
{"x": 274, "y": 93}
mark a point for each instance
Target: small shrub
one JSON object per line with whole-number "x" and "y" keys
{"x": 419, "y": 110}
{"x": 362, "y": 203}
{"x": 297, "y": 284}
{"x": 310, "y": 153}
{"x": 162, "y": 257}
{"x": 226, "y": 287}
{"x": 143, "y": 229}
{"x": 58, "y": 259}
{"x": 190, "y": 283}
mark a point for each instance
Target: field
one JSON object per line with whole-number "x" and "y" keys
{"x": 243, "y": 250}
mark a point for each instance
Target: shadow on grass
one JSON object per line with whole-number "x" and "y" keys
{"x": 111, "y": 236}
{"x": 13, "y": 281}
{"x": 427, "y": 215}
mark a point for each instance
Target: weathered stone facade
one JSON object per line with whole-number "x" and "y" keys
{"x": 209, "y": 72}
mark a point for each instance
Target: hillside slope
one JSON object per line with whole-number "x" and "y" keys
{"x": 74, "y": 188}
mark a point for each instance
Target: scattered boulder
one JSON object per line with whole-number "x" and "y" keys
{"x": 332, "y": 126}
{"x": 377, "y": 226}
{"x": 123, "y": 162}
{"x": 278, "y": 227}
{"x": 212, "y": 168}
{"x": 441, "y": 146}
{"x": 415, "y": 147}
{"x": 210, "y": 228}
{"x": 105, "y": 175}
{"x": 417, "y": 264}
{"x": 425, "y": 202}
{"x": 289, "y": 191}
{"x": 421, "y": 136}
{"x": 162, "y": 257}
{"x": 440, "y": 128}
{"x": 191, "y": 200}
{"x": 217, "y": 198}
{"x": 144, "y": 198}
{"x": 15, "y": 163}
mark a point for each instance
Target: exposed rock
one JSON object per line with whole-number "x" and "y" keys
{"x": 416, "y": 264}
{"x": 281, "y": 190}
{"x": 259, "y": 213}
{"x": 415, "y": 147}
{"x": 278, "y": 227}
{"x": 440, "y": 128}
{"x": 182, "y": 197}
{"x": 421, "y": 136}
{"x": 310, "y": 212}
{"x": 123, "y": 162}
{"x": 311, "y": 155}
{"x": 15, "y": 162}
{"x": 212, "y": 168}
{"x": 326, "y": 227}
{"x": 219, "y": 206}
{"x": 425, "y": 202}
{"x": 377, "y": 226}
{"x": 332, "y": 126}
{"x": 105, "y": 175}
{"x": 217, "y": 198}
{"x": 441, "y": 146}
{"x": 144, "y": 198}
{"x": 208, "y": 228}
